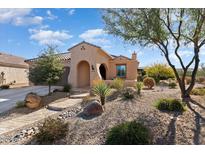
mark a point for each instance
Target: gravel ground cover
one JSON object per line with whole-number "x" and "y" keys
{"x": 166, "y": 127}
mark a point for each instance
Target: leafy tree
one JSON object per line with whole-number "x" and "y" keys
{"x": 47, "y": 68}
{"x": 167, "y": 29}
{"x": 159, "y": 72}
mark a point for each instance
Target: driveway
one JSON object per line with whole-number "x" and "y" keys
{"x": 9, "y": 97}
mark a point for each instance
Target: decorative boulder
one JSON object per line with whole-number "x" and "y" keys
{"x": 33, "y": 100}
{"x": 92, "y": 109}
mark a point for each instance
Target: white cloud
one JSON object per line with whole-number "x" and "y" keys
{"x": 71, "y": 11}
{"x": 94, "y": 36}
{"x": 182, "y": 54}
{"x": 28, "y": 20}
{"x": 50, "y": 15}
{"x": 19, "y": 17}
{"x": 45, "y": 36}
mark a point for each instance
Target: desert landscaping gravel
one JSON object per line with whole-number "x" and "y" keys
{"x": 166, "y": 128}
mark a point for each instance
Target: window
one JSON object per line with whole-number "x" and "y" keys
{"x": 121, "y": 71}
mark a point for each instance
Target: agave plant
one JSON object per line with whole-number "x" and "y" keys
{"x": 101, "y": 90}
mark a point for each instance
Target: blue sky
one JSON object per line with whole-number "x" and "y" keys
{"x": 25, "y": 32}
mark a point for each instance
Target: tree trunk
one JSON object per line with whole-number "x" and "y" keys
{"x": 185, "y": 96}
{"x": 49, "y": 88}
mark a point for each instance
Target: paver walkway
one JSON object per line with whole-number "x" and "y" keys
{"x": 17, "y": 123}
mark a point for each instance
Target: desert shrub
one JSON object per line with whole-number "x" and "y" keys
{"x": 114, "y": 94}
{"x": 5, "y": 86}
{"x": 198, "y": 91}
{"x": 20, "y": 104}
{"x": 201, "y": 79}
{"x": 139, "y": 86}
{"x": 159, "y": 72}
{"x": 169, "y": 104}
{"x": 172, "y": 85}
{"x": 101, "y": 90}
{"x": 57, "y": 90}
{"x": 129, "y": 133}
{"x": 67, "y": 87}
{"x": 51, "y": 130}
{"x": 117, "y": 83}
{"x": 128, "y": 93}
{"x": 97, "y": 81}
{"x": 149, "y": 82}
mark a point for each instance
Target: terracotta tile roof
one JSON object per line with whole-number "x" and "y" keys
{"x": 114, "y": 56}
{"x": 12, "y": 61}
{"x": 61, "y": 56}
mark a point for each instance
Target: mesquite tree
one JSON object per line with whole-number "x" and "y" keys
{"x": 167, "y": 29}
{"x": 47, "y": 68}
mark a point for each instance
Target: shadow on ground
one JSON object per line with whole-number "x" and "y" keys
{"x": 199, "y": 119}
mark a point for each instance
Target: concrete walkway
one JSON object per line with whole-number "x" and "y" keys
{"x": 19, "y": 122}
{"x": 9, "y": 97}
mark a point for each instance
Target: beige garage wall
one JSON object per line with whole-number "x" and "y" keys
{"x": 20, "y": 75}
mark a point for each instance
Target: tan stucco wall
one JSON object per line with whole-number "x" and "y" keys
{"x": 131, "y": 67}
{"x": 20, "y": 75}
{"x": 95, "y": 57}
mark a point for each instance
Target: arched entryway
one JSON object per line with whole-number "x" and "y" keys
{"x": 102, "y": 71}
{"x": 83, "y": 74}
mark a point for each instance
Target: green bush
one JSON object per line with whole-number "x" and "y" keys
{"x": 159, "y": 72}
{"x": 20, "y": 104}
{"x": 51, "y": 130}
{"x": 67, "y": 88}
{"x": 117, "y": 83}
{"x": 149, "y": 82}
{"x": 139, "y": 86}
{"x": 169, "y": 104}
{"x": 198, "y": 91}
{"x": 102, "y": 90}
{"x": 172, "y": 85}
{"x": 128, "y": 93}
{"x": 5, "y": 86}
{"x": 129, "y": 133}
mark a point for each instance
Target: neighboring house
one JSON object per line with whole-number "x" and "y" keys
{"x": 86, "y": 62}
{"x": 13, "y": 70}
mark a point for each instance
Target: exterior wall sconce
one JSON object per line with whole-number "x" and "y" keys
{"x": 92, "y": 67}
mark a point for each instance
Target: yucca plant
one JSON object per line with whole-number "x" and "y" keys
{"x": 101, "y": 90}
{"x": 139, "y": 86}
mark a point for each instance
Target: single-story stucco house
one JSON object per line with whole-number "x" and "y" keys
{"x": 86, "y": 62}
{"x": 13, "y": 70}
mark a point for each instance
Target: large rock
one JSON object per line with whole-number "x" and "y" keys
{"x": 93, "y": 108}
{"x": 33, "y": 101}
